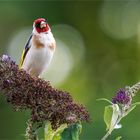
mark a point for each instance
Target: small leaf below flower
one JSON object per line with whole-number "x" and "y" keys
{"x": 72, "y": 132}
{"x": 111, "y": 115}
{"x": 53, "y": 134}
{"x": 108, "y": 116}
{"x": 115, "y": 116}
{"x": 118, "y": 138}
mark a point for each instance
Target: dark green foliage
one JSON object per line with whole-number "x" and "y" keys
{"x": 72, "y": 133}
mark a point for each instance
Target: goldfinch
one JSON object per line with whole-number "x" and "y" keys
{"x": 39, "y": 49}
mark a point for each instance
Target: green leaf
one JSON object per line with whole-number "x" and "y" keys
{"x": 111, "y": 115}
{"x": 115, "y": 116}
{"x": 53, "y": 134}
{"x": 118, "y": 138}
{"x": 104, "y": 99}
{"x": 108, "y": 115}
{"x": 59, "y": 130}
{"x": 48, "y": 131}
{"x": 137, "y": 103}
{"x": 72, "y": 132}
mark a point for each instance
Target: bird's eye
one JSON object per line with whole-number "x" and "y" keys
{"x": 37, "y": 25}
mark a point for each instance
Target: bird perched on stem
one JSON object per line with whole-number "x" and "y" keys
{"x": 39, "y": 49}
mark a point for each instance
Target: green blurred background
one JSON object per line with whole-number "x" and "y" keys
{"x": 98, "y": 52}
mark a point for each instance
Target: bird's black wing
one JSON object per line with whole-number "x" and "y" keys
{"x": 26, "y": 49}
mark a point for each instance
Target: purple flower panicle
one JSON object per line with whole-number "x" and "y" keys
{"x": 121, "y": 97}
{"x": 45, "y": 102}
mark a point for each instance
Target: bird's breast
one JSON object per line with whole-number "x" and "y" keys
{"x": 44, "y": 40}
{"x": 36, "y": 42}
{"x": 42, "y": 50}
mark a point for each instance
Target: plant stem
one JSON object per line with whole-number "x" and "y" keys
{"x": 106, "y": 136}
{"x": 30, "y": 134}
{"x": 110, "y": 131}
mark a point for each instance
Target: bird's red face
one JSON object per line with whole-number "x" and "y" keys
{"x": 41, "y": 25}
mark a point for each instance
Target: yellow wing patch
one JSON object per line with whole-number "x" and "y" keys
{"x": 22, "y": 59}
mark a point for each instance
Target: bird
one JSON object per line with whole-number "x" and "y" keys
{"x": 39, "y": 49}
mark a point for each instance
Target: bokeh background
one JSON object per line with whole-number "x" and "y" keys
{"x": 98, "y": 52}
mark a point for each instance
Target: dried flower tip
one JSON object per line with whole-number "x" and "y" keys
{"x": 134, "y": 89}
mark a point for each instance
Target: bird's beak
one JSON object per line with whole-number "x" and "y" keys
{"x": 43, "y": 24}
